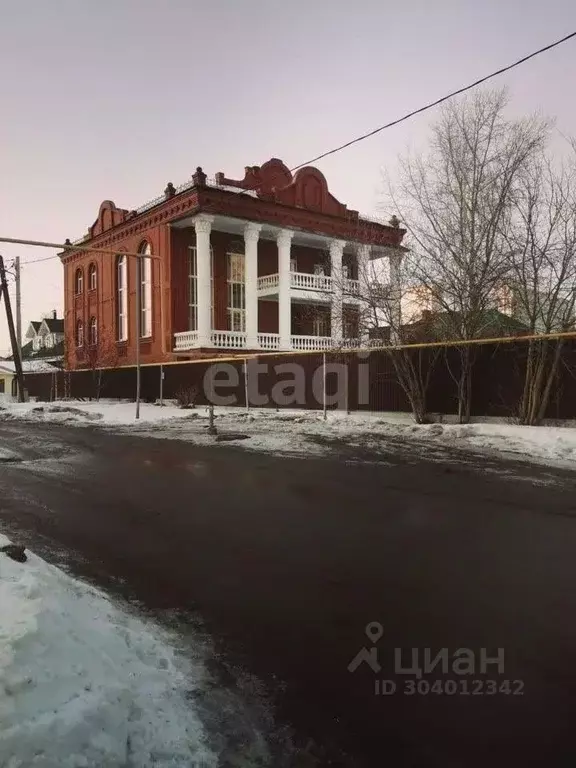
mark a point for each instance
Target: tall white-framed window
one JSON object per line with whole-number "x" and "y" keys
{"x": 193, "y": 288}
{"x": 121, "y": 298}
{"x": 293, "y": 265}
{"x": 78, "y": 281}
{"x": 321, "y": 325}
{"x": 145, "y": 291}
{"x": 349, "y": 326}
{"x": 79, "y": 333}
{"x": 236, "y": 310}
{"x": 92, "y": 277}
{"x": 93, "y": 332}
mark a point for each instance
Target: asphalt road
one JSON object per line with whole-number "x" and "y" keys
{"x": 286, "y": 561}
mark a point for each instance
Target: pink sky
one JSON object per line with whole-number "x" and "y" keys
{"x": 113, "y": 99}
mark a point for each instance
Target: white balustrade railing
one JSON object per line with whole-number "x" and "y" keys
{"x": 268, "y": 281}
{"x": 348, "y": 343}
{"x": 303, "y": 280}
{"x": 304, "y": 343}
{"x": 351, "y": 287}
{"x": 185, "y": 340}
{"x": 228, "y": 339}
{"x": 308, "y": 281}
{"x": 269, "y": 340}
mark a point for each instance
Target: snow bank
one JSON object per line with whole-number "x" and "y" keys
{"x": 83, "y": 683}
{"x": 105, "y": 412}
{"x": 548, "y": 444}
{"x": 299, "y": 432}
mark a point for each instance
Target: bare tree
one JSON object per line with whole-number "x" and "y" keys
{"x": 392, "y": 316}
{"x": 457, "y": 201}
{"x": 101, "y": 353}
{"x": 542, "y": 277}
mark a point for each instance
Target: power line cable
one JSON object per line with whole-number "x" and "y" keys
{"x": 407, "y": 116}
{"x": 439, "y": 101}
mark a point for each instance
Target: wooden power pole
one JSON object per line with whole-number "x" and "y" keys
{"x": 18, "y": 304}
{"x": 12, "y": 331}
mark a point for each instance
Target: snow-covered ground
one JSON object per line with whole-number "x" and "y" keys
{"x": 301, "y": 432}
{"x": 85, "y": 684}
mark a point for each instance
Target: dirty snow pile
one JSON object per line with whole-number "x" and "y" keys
{"x": 300, "y": 432}
{"x": 84, "y": 684}
{"x": 105, "y": 412}
{"x": 546, "y": 444}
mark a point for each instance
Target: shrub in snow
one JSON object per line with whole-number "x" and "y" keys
{"x": 186, "y": 397}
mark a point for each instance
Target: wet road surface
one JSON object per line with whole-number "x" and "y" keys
{"x": 285, "y": 562}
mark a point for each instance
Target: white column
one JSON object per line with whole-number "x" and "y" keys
{"x": 395, "y": 261}
{"x": 336, "y": 325}
{"x": 284, "y": 240}
{"x": 251, "y": 235}
{"x": 203, "y": 226}
{"x": 365, "y": 306}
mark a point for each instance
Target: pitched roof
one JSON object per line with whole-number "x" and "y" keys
{"x": 54, "y": 324}
{"x": 46, "y": 353}
{"x": 33, "y": 328}
{"x": 26, "y": 350}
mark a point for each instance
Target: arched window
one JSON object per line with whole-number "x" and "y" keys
{"x": 79, "y": 333}
{"x": 92, "y": 277}
{"x": 93, "y": 332}
{"x": 121, "y": 298}
{"x": 145, "y": 291}
{"x": 78, "y": 282}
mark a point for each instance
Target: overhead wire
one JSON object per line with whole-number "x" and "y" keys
{"x": 403, "y": 118}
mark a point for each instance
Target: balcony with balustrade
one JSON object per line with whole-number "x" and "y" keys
{"x": 256, "y": 288}
{"x": 267, "y": 342}
{"x": 307, "y": 287}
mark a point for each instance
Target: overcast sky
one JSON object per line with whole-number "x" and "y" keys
{"x": 112, "y": 99}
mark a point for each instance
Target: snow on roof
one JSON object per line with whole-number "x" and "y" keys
{"x": 28, "y": 366}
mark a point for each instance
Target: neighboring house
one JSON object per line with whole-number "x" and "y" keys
{"x": 439, "y": 326}
{"x": 547, "y": 314}
{"x": 233, "y": 265}
{"x": 8, "y": 388}
{"x": 45, "y": 340}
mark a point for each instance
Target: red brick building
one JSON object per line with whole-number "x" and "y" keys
{"x": 269, "y": 262}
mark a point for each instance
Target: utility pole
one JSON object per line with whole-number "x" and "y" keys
{"x": 18, "y": 305}
{"x": 138, "y": 329}
{"x": 12, "y": 331}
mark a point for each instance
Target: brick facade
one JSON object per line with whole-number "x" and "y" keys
{"x": 301, "y": 202}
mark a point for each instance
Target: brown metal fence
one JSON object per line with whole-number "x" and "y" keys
{"x": 369, "y": 382}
